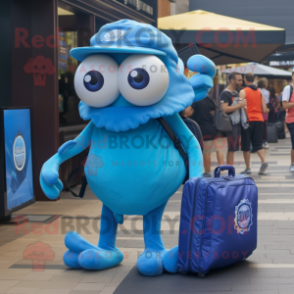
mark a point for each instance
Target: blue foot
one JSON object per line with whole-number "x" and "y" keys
{"x": 76, "y": 243}
{"x": 70, "y": 259}
{"x": 150, "y": 262}
{"x": 82, "y": 254}
{"x": 99, "y": 259}
{"x": 170, "y": 260}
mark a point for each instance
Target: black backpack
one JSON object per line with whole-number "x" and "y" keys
{"x": 291, "y": 92}
{"x": 281, "y": 129}
{"x": 195, "y": 129}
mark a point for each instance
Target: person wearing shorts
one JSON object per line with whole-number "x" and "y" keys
{"x": 227, "y": 98}
{"x": 202, "y": 113}
{"x": 288, "y": 104}
{"x": 262, "y": 85}
{"x": 253, "y": 135}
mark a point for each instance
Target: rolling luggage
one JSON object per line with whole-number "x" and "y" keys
{"x": 272, "y": 133}
{"x": 281, "y": 130}
{"x": 218, "y": 225}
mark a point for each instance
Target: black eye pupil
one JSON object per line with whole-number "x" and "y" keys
{"x": 93, "y": 81}
{"x": 138, "y": 78}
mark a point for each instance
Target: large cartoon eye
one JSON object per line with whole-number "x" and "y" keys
{"x": 138, "y": 78}
{"x": 96, "y": 80}
{"x": 143, "y": 79}
{"x": 93, "y": 81}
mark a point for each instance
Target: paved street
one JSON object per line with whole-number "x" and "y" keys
{"x": 270, "y": 270}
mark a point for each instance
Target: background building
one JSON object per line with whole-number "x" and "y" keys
{"x": 164, "y": 8}
{"x": 179, "y": 6}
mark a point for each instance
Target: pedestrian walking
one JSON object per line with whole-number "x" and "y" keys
{"x": 256, "y": 106}
{"x": 274, "y": 106}
{"x": 202, "y": 113}
{"x": 193, "y": 126}
{"x": 262, "y": 85}
{"x": 231, "y": 104}
{"x": 283, "y": 110}
{"x": 288, "y": 104}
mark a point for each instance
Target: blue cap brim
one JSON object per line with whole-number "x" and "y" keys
{"x": 83, "y": 52}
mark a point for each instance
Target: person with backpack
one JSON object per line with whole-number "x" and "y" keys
{"x": 256, "y": 106}
{"x": 231, "y": 104}
{"x": 262, "y": 85}
{"x": 202, "y": 113}
{"x": 193, "y": 127}
{"x": 288, "y": 104}
{"x": 282, "y": 112}
{"x": 273, "y": 106}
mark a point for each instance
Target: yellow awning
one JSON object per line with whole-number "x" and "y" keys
{"x": 203, "y": 20}
{"x": 221, "y": 38}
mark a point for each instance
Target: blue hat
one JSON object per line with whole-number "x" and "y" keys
{"x": 127, "y": 36}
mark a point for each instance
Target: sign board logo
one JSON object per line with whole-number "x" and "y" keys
{"x": 40, "y": 67}
{"x": 19, "y": 152}
{"x": 113, "y": 36}
{"x": 243, "y": 217}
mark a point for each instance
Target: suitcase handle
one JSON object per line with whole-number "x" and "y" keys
{"x": 218, "y": 169}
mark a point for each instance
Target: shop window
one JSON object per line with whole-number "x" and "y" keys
{"x": 75, "y": 30}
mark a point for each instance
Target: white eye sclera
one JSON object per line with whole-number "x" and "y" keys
{"x": 96, "y": 80}
{"x": 143, "y": 79}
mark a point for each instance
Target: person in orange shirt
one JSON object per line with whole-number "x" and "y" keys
{"x": 256, "y": 106}
{"x": 288, "y": 104}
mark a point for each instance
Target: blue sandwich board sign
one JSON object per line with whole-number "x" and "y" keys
{"x": 16, "y": 160}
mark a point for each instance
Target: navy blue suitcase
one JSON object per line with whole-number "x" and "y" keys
{"x": 218, "y": 225}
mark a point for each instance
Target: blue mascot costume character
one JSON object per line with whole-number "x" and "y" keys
{"x": 130, "y": 76}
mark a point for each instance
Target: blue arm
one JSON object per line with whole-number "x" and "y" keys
{"x": 203, "y": 81}
{"x": 50, "y": 183}
{"x": 190, "y": 144}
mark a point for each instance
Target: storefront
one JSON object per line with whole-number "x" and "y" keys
{"x": 37, "y": 68}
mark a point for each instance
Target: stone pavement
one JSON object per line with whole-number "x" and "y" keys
{"x": 269, "y": 270}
